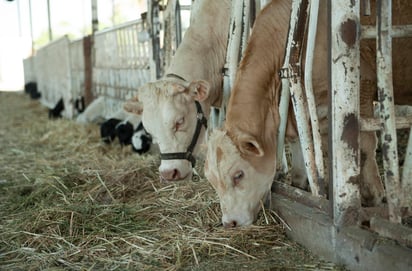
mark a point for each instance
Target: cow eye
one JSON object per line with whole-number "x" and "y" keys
{"x": 238, "y": 177}
{"x": 179, "y": 123}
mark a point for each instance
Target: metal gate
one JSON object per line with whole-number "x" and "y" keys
{"x": 340, "y": 228}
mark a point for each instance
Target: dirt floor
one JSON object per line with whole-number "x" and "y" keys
{"x": 70, "y": 202}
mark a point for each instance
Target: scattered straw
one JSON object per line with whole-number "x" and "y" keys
{"x": 71, "y": 202}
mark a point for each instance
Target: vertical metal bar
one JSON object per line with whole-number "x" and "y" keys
{"x": 387, "y": 110}
{"x": 284, "y": 102}
{"x": 233, "y": 55}
{"x": 407, "y": 175}
{"x": 298, "y": 98}
{"x": 31, "y": 28}
{"x": 310, "y": 51}
{"x": 178, "y": 25}
{"x": 95, "y": 20}
{"x": 245, "y": 24}
{"x": 49, "y": 21}
{"x": 19, "y": 17}
{"x": 344, "y": 154}
{"x": 154, "y": 30}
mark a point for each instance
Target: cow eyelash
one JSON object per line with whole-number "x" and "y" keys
{"x": 237, "y": 177}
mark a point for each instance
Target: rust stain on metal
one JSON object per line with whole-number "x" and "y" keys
{"x": 354, "y": 180}
{"x": 351, "y": 131}
{"x": 348, "y": 32}
{"x": 385, "y": 151}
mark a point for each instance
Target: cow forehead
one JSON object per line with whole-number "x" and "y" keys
{"x": 161, "y": 108}
{"x": 222, "y": 156}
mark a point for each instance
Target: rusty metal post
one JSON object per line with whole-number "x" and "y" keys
{"x": 153, "y": 22}
{"x": 407, "y": 175}
{"x": 239, "y": 25}
{"x": 310, "y": 52}
{"x": 88, "y": 69}
{"x": 95, "y": 20}
{"x": 387, "y": 109}
{"x": 344, "y": 154}
{"x": 294, "y": 73}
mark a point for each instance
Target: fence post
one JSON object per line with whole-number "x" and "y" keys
{"x": 387, "y": 109}
{"x": 344, "y": 154}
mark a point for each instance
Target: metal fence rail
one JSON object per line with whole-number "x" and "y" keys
{"x": 121, "y": 62}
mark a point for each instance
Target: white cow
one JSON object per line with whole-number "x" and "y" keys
{"x": 241, "y": 159}
{"x": 174, "y": 108}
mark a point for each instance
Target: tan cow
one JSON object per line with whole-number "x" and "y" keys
{"x": 241, "y": 158}
{"x": 175, "y": 105}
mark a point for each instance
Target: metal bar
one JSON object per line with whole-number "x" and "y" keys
{"x": 49, "y": 21}
{"x": 394, "y": 231}
{"x": 298, "y": 98}
{"x": 245, "y": 24}
{"x": 31, "y": 28}
{"x": 344, "y": 154}
{"x": 407, "y": 175}
{"x": 374, "y": 124}
{"x": 95, "y": 20}
{"x": 398, "y": 31}
{"x": 119, "y": 26}
{"x": 285, "y": 97}
{"x": 232, "y": 59}
{"x": 310, "y": 49}
{"x": 387, "y": 111}
{"x": 301, "y": 196}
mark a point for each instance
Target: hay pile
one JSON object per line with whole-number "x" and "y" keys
{"x": 69, "y": 202}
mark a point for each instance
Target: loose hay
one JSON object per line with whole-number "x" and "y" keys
{"x": 70, "y": 202}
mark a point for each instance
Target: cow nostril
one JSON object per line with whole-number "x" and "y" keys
{"x": 171, "y": 175}
{"x": 231, "y": 224}
{"x": 176, "y": 174}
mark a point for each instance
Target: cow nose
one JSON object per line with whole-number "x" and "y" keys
{"x": 230, "y": 224}
{"x": 171, "y": 175}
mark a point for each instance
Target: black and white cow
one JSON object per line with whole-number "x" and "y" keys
{"x": 31, "y": 89}
{"x": 108, "y": 130}
{"x": 56, "y": 112}
{"x": 79, "y": 104}
{"x": 124, "y": 132}
{"x": 141, "y": 140}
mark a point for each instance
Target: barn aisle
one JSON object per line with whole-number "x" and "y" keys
{"x": 70, "y": 202}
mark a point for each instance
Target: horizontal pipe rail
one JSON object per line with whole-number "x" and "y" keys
{"x": 398, "y": 31}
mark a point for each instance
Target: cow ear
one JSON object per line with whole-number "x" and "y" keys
{"x": 249, "y": 146}
{"x": 133, "y": 106}
{"x": 199, "y": 90}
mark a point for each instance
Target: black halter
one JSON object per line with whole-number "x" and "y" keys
{"x": 188, "y": 155}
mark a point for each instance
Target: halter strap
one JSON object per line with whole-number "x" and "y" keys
{"x": 188, "y": 155}
{"x": 175, "y": 76}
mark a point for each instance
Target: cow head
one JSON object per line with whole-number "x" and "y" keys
{"x": 240, "y": 185}
{"x": 170, "y": 113}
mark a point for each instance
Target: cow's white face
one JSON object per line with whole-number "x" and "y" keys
{"x": 169, "y": 114}
{"x": 240, "y": 187}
